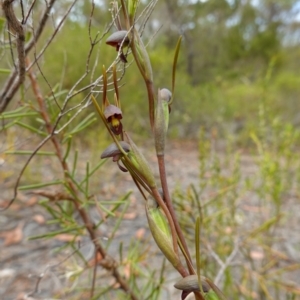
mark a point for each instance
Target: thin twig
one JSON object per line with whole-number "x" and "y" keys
{"x": 89, "y": 224}
{"x": 48, "y": 83}
{"x": 58, "y": 27}
{"x": 41, "y": 275}
{"x": 17, "y": 29}
{"x": 164, "y": 184}
{"x": 94, "y": 275}
{"x": 24, "y": 21}
{"x": 15, "y": 189}
{"x": 224, "y": 265}
{"x": 149, "y": 10}
{"x": 14, "y": 81}
{"x": 22, "y": 11}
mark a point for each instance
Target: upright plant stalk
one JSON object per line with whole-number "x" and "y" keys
{"x": 125, "y": 14}
{"x": 135, "y": 171}
{"x": 132, "y": 6}
{"x": 140, "y": 54}
{"x": 142, "y": 60}
{"x": 164, "y": 101}
{"x": 138, "y": 167}
{"x": 164, "y": 183}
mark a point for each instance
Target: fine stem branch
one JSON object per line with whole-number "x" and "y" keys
{"x": 89, "y": 225}
{"x": 17, "y": 76}
{"x": 167, "y": 198}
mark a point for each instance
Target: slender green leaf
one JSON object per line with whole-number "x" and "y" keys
{"x": 84, "y": 122}
{"x": 87, "y": 179}
{"x": 117, "y": 225}
{"x": 17, "y": 115}
{"x": 69, "y": 140}
{"x": 2, "y": 23}
{"x": 198, "y": 257}
{"x": 31, "y": 128}
{"x": 100, "y": 163}
{"x": 24, "y": 152}
{"x": 55, "y": 233}
{"x": 39, "y": 185}
{"x": 5, "y": 71}
{"x": 71, "y": 176}
{"x": 174, "y": 67}
{"x": 75, "y": 163}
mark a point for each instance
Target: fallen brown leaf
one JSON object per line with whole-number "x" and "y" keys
{"x": 32, "y": 200}
{"x": 127, "y": 271}
{"x": 140, "y": 233}
{"x": 65, "y": 237}
{"x": 95, "y": 260}
{"x": 13, "y": 236}
{"x": 13, "y": 206}
{"x": 40, "y": 219}
{"x": 127, "y": 216}
{"x": 133, "y": 200}
{"x": 257, "y": 255}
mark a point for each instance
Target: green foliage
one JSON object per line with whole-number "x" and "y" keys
{"x": 229, "y": 63}
{"x": 62, "y": 57}
{"x": 232, "y": 228}
{"x": 237, "y": 81}
{"x": 244, "y": 216}
{"x": 228, "y": 102}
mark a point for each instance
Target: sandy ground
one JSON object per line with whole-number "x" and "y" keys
{"x": 24, "y": 262}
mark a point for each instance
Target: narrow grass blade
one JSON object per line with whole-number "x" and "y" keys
{"x": 39, "y": 185}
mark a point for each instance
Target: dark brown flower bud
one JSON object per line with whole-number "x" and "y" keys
{"x": 112, "y": 150}
{"x": 165, "y": 95}
{"x": 116, "y": 39}
{"x": 119, "y": 39}
{"x": 191, "y": 283}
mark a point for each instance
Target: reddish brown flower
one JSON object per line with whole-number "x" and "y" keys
{"x": 119, "y": 39}
{"x": 113, "y": 115}
{"x": 113, "y": 151}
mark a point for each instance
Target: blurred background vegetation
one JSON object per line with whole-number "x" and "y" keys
{"x": 236, "y": 56}
{"x": 237, "y": 86}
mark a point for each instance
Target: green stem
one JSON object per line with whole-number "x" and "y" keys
{"x": 147, "y": 79}
{"x": 164, "y": 184}
{"x": 161, "y": 203}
